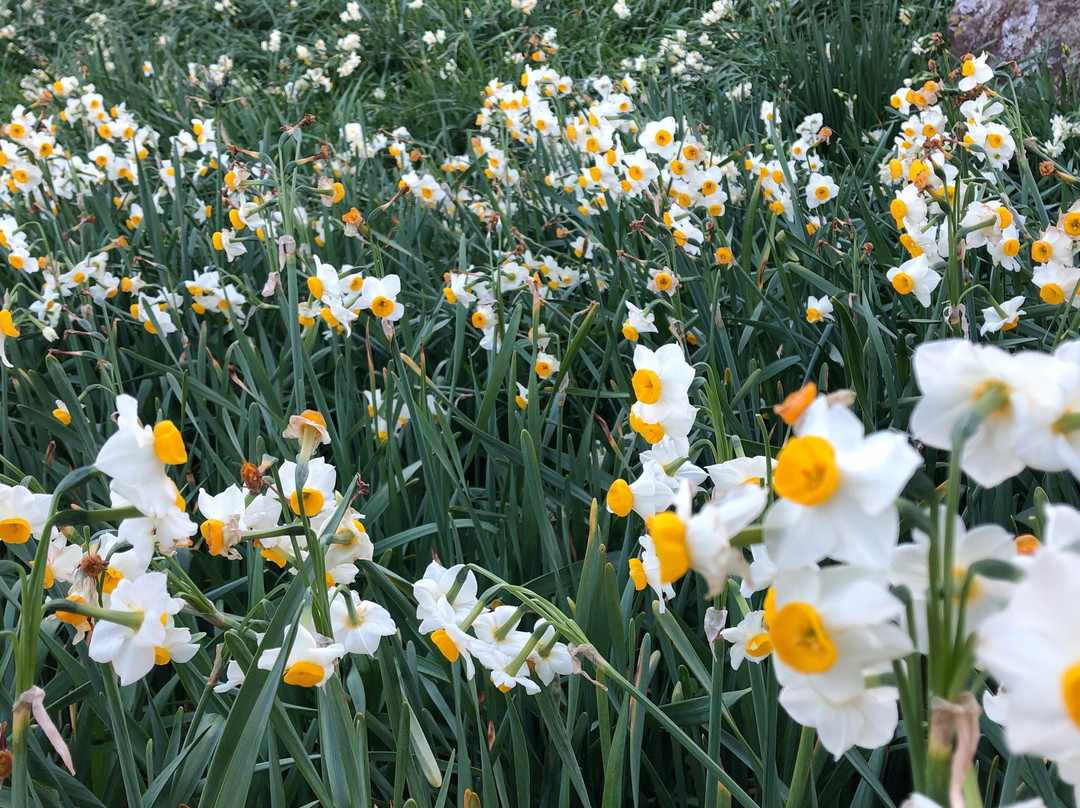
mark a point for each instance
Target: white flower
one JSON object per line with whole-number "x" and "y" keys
{"x": 234, "y": 678}
{"x": 684, "y": 540}
{"x": 915, "y": 276}
{"x": 134, "y": 651}
{"x": 974, "y": 71}
{"x": 550, "y": 658}
{"x": 661, "y": 381}
{"x": 819, "y": 309}
{"x": 1006, "y": 318}
{"x": 318, "y": 492}
{"x": 749, "y": 640}
{"x": 362, "y": 635}
{"x": 135, "y": 457}
{"x": 837, "y": 489}
{"x": 380, "y": 296}
{"x": 1033, "y": 649}
{"x": 435, "y": 587}
{"x": 955, "y": 375}
{"x": 739, "y": 471}
{"x": 308, "y": 664}
{"x": 819, "y": 190}
{"x": 829, "y": 629}
{"x": 22, "y": 514}
{"x": 658, "y": 138}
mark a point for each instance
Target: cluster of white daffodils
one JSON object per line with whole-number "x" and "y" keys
{"x": 680, "y": 540}
{"x": 829, "y": 629}
{"x": 923, "y": 164}
{"x": 1028, "y": 400}
{"x": 448, "y": 610}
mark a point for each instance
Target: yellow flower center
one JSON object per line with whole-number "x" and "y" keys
{"x": 669, "y": 538}
{"x": 273, "y": 556}
{"x": 813, "y": 315}
{"x": 213, "y": 530}
{"x": 995, "y": 140}
{"x": 822, "y": 192}
{"x": 801, "y": 640}
{"x": 169, "y": 444}
{"x": 71, "y": 618}
{"x": 1070, "y": 691}
{"x": 758, "y": 646}
{"x": 315, "y": 286}
{"x": 663, "y": 281}
{"x": 1004, "y": 217}
{"x": 647, "y": 386}
{"x": 636, "y": 174}
{"x": 1072, "y": 224}
{"x": 303, "y": 674}
{"x": 14, "y": 530}
{"x": 806, "y": 471}
{"x": 7, "y": 324}
{"x": 653, "y": 433}
{"x": 313, "y": 501}
{"x": 1027, "y": 544}
{"x": 1011, "y": 247}
{"x": 903, "y": 283}
{"x": 663, "y": 137}
{"x": 637, "y": 574}
{"x": 162, "y": 656}
{"x": 898, "y": 209}
{"x": 543, "y": 368}
{"x": 630, "y": 333}
{"x": 445, "y": 645}
{"x": 1052, "y": 293}
{"x": 620, "y": 498}
{"x": 382, "y": 306}
{"x": 968, "y": 68}
{"x": 1041, "y": 251}
{"x": 479, "y": 319}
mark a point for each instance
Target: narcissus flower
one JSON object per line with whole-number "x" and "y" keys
{"x": 819, "y": 190}
{"x": 8, "y": 331}
{"x": 837, "y": 489}
{"x": 228, "y": 516}
{"x": 379, "y": 295}
{"x": 974, "y": 71}
{"x": 749, "y": 640}
{"x": 829, "y": 629}
{"x": 1002, "y": 318}
{"x": 309, "y": 422}
{"x": 701, "y": 541}
{"x": 819, "y": 309}
{"x": 318, "y": 492}
{"x": 661, "y": 381}
{"x": 135, "y": 457}
{"x": 915, "y": 277}
{"x": 1032, "y": 648}
{"x": 658, "y": 138}
{"x": 309, "y": 664}
{"x": 22, "y": 514}
{"x": 955, "y": 376}
{"x": 361, "y": 628}
{"x": 150, "y": 638}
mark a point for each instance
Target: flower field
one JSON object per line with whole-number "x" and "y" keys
{"x": 529, "y": 402}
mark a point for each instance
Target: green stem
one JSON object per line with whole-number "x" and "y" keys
{"x": 803, "y": 760}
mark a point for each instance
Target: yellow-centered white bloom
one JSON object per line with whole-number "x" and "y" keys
{"x": 135, "y": 457}
{"x": 837, "y": 491}
{"x": 1032, "y": 648}
{"x": 701, "y": 541}
{"x": 134, "y": 651}
{"x": 309, "y": 663}
{"x": 830, "y": 628}
{"x": 318, "y": 492}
